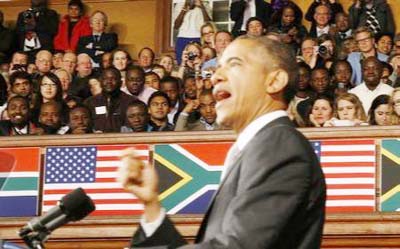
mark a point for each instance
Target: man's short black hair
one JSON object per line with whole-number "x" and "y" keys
{"x": 20, "y": 75}
{"x": 79, "y": 105}
{"x": 254, "y": 18}
{"x": 26, "y": 101}
{"x": 136, "y": 68}
{"x": 172, "y": 79}
{"x": 76, "y": 3}
{"x": 159, "y": 94}
{"x": 147, "y": 48}
{"x": 138, "y": 103}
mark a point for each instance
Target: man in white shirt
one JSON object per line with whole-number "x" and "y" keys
{"x": 372, "y": 86}
{"x": 272, "y": 193}
{"x": 189, "y": 16}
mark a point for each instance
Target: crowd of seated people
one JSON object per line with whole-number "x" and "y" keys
{"x": 69, "y": 76}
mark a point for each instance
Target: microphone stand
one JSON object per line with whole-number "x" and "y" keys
{"x": 35, "y": 240}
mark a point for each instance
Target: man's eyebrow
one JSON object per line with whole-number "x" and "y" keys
{"x": 233, "y": 59}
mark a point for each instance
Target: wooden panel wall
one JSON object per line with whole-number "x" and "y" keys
{"x": 133, "y": 20}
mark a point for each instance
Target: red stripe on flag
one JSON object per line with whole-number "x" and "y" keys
{"x": 349, "y": 209}
{"x": 350, "y": 175}
{"x": 348, "y": 164}
{"x": 121, "y": 147}
{"x": 107, "y": 169}
{"x": 116, "y": 212}
{"x": 347, "y": 153}
{"x": 87, "y": 190}
{"x": 347, "y": 142}
{"x": 351, "y": 186}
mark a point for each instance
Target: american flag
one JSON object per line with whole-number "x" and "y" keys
{"x": 94, "y": 169}
{"x": 349, "y": 168}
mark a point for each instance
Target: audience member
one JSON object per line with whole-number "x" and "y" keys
{"x": 242, "y": 10}
{"x": 36, "y": 28}
{"x": 72, "y": 26}
{"x": 69, "y": 62}
{"x": 208, "y": 31}
{"x": 255, "y": 27}
{"x": 396, "y": 102}
{"x": 396, "y": 42}
{"x": 191, "y": 61}
{"x": 135, "y": 83}
{"x": 376, "y": 15}
{"x": 79, "y": 120}
{"x": 321, "y": 81}
{"x": 348, "y": 111}
{"x": 79, "y": 87}
{"x": 146, "y": 58}
{"x": 94, "y": 85}
{"x": 208, "y": 53}
{"x": 151, "y": 79}
{"x": 321, "y": 111}
{"x": 222, "y": 40}
{"x": 341, "y": 76}
{"x": 159, "y": 70}
{"x": 21, "y": 84}
{"x": 387, "y": 71}
{"x": 7, "y": 41}
{"x": 137, "y": 116}
{"x": 309, "y": 52}
{"x": 171, "y": 86}
{"x": 189, "y": 89}
{"x": 159, "y": 106}
{"x": 50, "y": 120}
{"x": 286, "y": 23}
{"x": 365, "y": 42}
{"x": 121, "y": 60}
{"x": 57, "y": 60}
{"x": 43, "y": 62}
{"x": 321, "y": 17}
{"x": 381, "y": 112}
{"x": 206, "y": 107}
{"x": 384, "y": 43}
{"x": 371, "y": 87}
{"x": 167, "y": 61}
{"x": 65, "y": 79}
{"x": 18, "y": 112}
{"x": 106, "y": 60}
{"x": 99, "y": 42}
{"x": 333, "y": 6}
{"x": 342, "y": 29}
{"x": 108, "y": 108}
{"x": 189, "y": 16}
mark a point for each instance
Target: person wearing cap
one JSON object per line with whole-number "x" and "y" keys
{"x": 72, "y": 26}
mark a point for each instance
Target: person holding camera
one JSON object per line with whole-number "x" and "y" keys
{"x": 36, "y": 28}
{"x": 189, "y": 15}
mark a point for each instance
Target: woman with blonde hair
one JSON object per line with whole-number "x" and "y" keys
{"x": 348, "y": 111}
{"x": 207, "y": 32}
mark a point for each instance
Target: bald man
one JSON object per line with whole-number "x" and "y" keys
{"x": 272, "y": 193}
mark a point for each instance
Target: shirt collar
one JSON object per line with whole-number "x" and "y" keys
{"x": 255, "y": 126}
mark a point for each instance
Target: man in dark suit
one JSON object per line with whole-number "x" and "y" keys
{"x": 242, "y": 10}
{"x": 272, "y": 193}
{"x": 18, "y": 111}
{"x": 99, "y": 42}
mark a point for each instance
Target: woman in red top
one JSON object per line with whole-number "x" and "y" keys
{"x": 72, "y": 27}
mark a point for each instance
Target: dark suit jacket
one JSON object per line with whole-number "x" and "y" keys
{"x": 273, "y": 196}
{"x": 107, "y": 43}
{"x": 263, "y": 11}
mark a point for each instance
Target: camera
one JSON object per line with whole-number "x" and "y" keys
{"x": 29, "y": 18}
{"x": 192, "y": 56}
{"x": 323, "y": 50}
{"x": 206, "y": 74}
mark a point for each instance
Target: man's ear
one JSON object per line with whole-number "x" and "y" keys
{"x": 276, "y": 81}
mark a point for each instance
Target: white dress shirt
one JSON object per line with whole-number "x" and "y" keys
{"x": 366, "y": 96}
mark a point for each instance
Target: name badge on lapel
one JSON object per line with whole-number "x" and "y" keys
{"x": 101, "y": 110}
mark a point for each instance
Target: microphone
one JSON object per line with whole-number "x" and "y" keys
{"x": 72, "y": 207}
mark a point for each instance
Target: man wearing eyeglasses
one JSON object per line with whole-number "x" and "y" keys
{"x": 366, "y": 44}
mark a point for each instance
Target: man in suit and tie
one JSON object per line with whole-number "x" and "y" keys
{"x": 99, "y": 42}
{"x": 272, "y": 193}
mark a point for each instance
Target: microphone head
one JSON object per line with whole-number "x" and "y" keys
{"x": 77, "y": 205}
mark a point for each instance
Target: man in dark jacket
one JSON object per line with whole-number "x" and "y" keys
{"x": 36, "y": 28}
{"x": 108, "y": 108}
{"x": 7, "y": 40}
